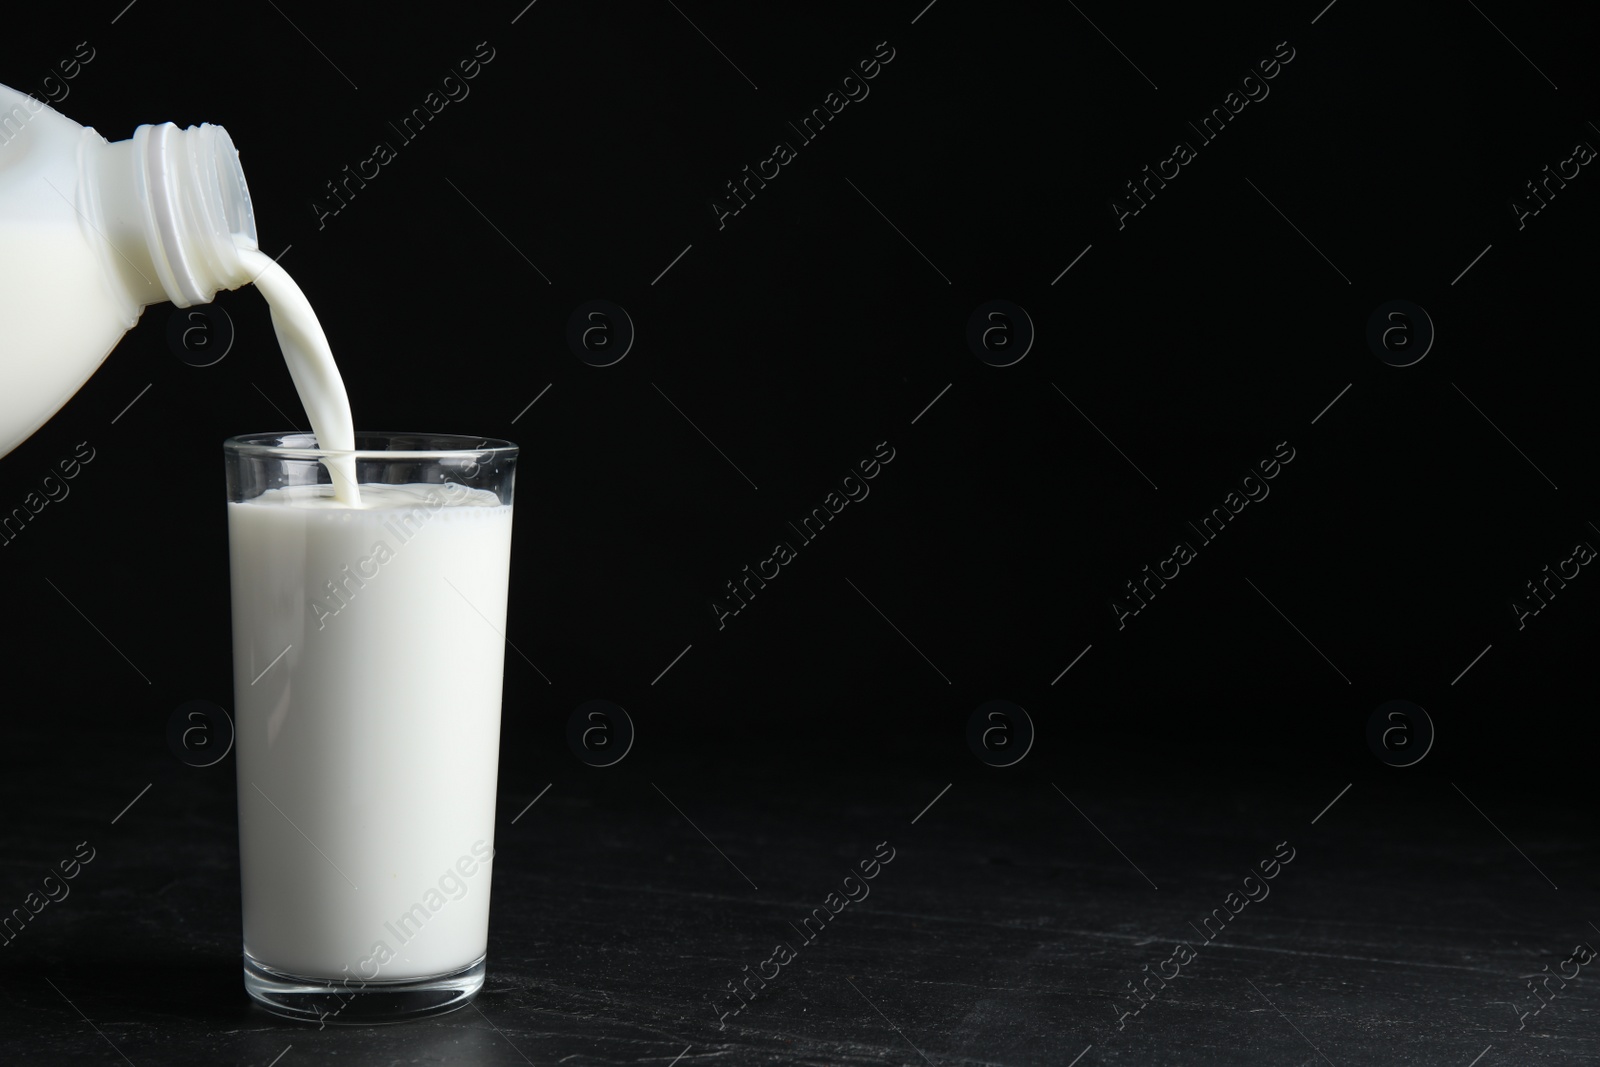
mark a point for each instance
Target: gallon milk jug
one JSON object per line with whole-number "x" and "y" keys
{"x": 92, "y": 231}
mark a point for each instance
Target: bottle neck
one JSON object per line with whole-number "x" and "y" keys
{"x": 173, "y": 205}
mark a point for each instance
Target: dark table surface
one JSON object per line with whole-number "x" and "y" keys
{"x": 1005, "y": 930}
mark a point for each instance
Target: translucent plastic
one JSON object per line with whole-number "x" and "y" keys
{"x": 93, "y": 231}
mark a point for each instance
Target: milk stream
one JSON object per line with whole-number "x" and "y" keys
{"x": 311, "y": 367}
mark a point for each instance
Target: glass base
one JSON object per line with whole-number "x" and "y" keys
{"x": 324, "y": 1000}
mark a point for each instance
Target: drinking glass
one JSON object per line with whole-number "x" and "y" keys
{"x": 368, "y": 650}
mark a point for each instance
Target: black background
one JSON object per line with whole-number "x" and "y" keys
{"x": 817, "y": 323}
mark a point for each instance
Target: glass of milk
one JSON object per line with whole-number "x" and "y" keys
{"x": 368, "y": 647}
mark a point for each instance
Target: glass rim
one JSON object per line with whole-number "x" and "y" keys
{"x": 267, "y": 444}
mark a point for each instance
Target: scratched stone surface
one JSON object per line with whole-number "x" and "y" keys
{"x": 1396, "y": 933}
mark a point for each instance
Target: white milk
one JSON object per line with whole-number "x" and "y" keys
{"x": 367, "y": 753}
{"x": 311, "y": 367}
